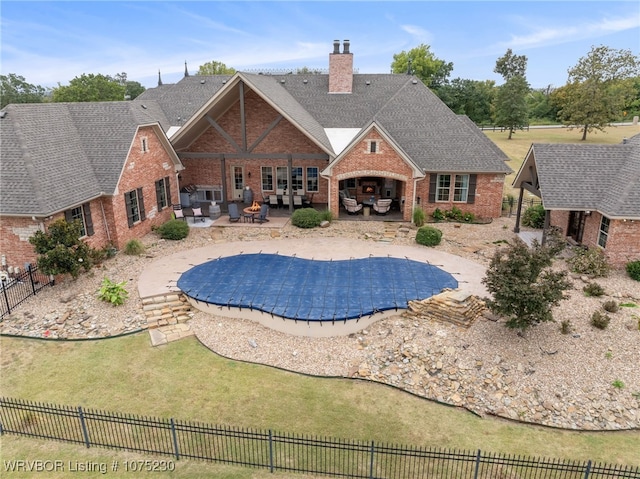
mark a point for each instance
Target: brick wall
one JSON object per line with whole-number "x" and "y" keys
{"x": 340, "y": 72}
{"x": 623, "y": 243}
{"x": 488, "y": 199}
{"x": 283, "y": 139}
{"x": 108, "y": 214}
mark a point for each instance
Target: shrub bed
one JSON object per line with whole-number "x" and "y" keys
{"x": 428, "y": 236}
{"x": 173, "y": 230}
{"x": 306, "y": 218}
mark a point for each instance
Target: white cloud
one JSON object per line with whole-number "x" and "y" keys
{"x": 419, "y": 33}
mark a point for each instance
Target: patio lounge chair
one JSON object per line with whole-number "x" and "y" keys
{"x": 178, "y": 213}
{"x": 264, "y": 211}
{"x": 352, "y": 206}
{"x": 297, "y": 201}
{"x": 273, "y": 201}
{"x": 382, "y": 207}
{"x": 197, "y": 213}
{"x": 234, "y": 215}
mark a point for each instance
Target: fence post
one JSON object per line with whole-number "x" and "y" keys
{"x": 270, "y": 452}
{"x": 371, "y": 462}
{"x": 33, "y": 286}
{"x": 6, "y": 298}
{"x": 85, "y": 433}
{"x": 175, "y": 440}
{"x": 475, "y": 474}
{"x": 587, "y": 470}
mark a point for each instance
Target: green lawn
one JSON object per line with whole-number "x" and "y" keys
{"x": 187, "y": 381}
{"x": 517, "y": 148}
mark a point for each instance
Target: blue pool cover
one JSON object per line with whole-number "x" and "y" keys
{"x": 313, "y": 290}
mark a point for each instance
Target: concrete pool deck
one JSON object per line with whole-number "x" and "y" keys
{"x": 161, "y": 276}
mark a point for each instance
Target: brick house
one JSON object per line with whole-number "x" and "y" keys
{"x": 591, "y": 192}
{"x": 322, "y": 135}
{"x": 365, "y": 135}
{"x": 107, "y": 164}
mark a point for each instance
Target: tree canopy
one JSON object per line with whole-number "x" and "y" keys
{"x": 90, "y": 87}
{"x": 599, "y": 87}
{"x": 15, "y": 89}
{"x": 215, "y": 68}
{"x": 421, "y": 62}
{"x": 511, "y": 108}
{"x": 469, "y": 97}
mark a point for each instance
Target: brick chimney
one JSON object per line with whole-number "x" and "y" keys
{"x": 340, "y": 69}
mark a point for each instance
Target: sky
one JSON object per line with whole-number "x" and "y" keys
{"x": 50, "y": 43}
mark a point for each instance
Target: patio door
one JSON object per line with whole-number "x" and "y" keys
{"x": 575, "y": 228}
{"x": 237, "y": 177}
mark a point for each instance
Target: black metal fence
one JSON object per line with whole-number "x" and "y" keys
{"x": 19, "y": 287}
{"x": 280, "y": 451}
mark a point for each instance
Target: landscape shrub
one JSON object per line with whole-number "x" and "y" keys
{"x": 112, "y": 292}
{"x": 428, "y": 236}
{"x": 326, "y": 215}
{"x": 591, "y": 261}
{"x": 593, "y": 289}
{"x": 610, "y": 306}
{"x": 633, "y": 268}
{"x": 419, "y": 217}
{"x": 438, "y": 215}
{"x": 600, "y": 320}
{"x": 306, "y": 218}
{"x": 134, "y": 247}
{"x": 533, "y": 217}
{"x": 566, "y": 327}
{"x": 173, "y": 230}
{"x": 454, "y": 214}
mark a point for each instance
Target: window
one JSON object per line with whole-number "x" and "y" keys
{"x": 373, "y": 146}
{"x": 312, "y": 179}
{"x": 208, "y": 194}
{"x": 135, "y": 206}
{"x": 83, "y": 215}
{"x": 443, "y": 187}
{"x": 297, "y": 179}
{"x": 604, "y": 231}
{"x": 461, "y": 188}
{"x": 144, "y": 144}
{"x": 267, "y": 178}
{"x": 163, "y": 193}
{"x": 282, "y": 177}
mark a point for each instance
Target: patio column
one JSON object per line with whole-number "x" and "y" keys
{"x": 516, "y": 229}
{"x": 547, "y": 224}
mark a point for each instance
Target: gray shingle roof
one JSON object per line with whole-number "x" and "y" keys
{"x": 58, "y": 155}
{"x": 433, "y": 136}
{"x": 603, "y": 178}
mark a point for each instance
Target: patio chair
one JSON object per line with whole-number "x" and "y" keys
{"x": 264, "y": 211}
{"x": 234, "y": 214}
{"x": 382, "y": 207}
{"x": 297, "y": 201}
{"x": 178, "y": 213}
{"x": 197, "y": 213}
{"x": 285, "y": 200}
{"x": 352, "y": 206}
{"x": 273, "y": 201}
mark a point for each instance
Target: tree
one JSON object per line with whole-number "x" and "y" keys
{"x": 541, "y": 106}
{"x": 15, "y": 89}
{"x": 598, "y": 89}
{"x": 511, "y": 109}
{"x": 90, "y": 88}
{"x": 522, "y": 286}
{"x": 421, "y": 62}
{"x": 469, "y": 97}
{"x": 215, "y": 68}
{"x": 132, "y": 88}
{"x": 61, "y": 250}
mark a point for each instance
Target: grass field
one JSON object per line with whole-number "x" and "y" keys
{"x": 517, "y": 148}
{"x": 185, "y": 380}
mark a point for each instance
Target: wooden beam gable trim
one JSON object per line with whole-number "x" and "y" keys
{"x": 224, "y": 134}
{"x": 243, "y": 118}
{"x": 269, "y": 129}
{"x": 256, "y": 156}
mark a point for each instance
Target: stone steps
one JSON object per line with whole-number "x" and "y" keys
{"x": 450, "y": 306}
{"x": 165, "y": 310}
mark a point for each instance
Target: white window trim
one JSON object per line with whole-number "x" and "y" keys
{"x": 378, "y": 144}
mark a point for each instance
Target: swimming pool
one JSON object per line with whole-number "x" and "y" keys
{"x": 313, "y": 290}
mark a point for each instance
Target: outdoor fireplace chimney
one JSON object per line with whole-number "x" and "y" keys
{"x": 340, "y": 69}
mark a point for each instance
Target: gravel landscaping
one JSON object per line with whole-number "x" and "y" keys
{"x": 586, "y": 379}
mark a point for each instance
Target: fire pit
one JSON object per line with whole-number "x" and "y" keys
{"x": 251, "y": 211}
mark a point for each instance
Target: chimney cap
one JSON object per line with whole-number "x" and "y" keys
{"x": 346, "y": 44}
{"x": 336, "y": 46}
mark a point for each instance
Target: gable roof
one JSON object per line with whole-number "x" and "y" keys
{"x": 430, "y": 134}
{"x": 58, "y": 155}
{"x": 604, "y": 178}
